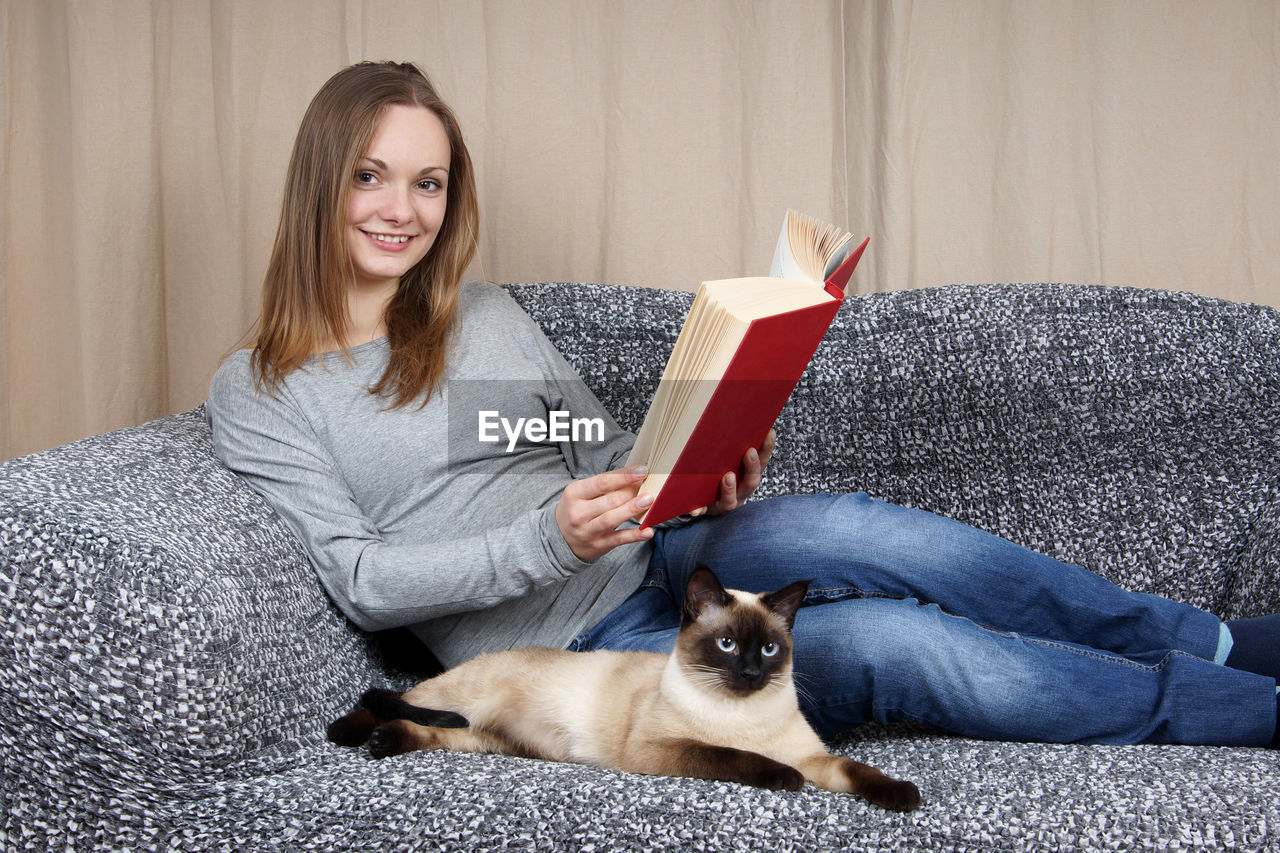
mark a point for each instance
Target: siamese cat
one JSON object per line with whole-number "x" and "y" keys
{"x": 721, "y": 706}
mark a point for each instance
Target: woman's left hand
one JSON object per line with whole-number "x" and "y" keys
{"x": 734, "y": 492}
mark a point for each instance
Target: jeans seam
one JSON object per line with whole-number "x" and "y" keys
{"x": 833, "y": 594}
{"x": 841, "y": 593}
{"x": 1094, "y": 654}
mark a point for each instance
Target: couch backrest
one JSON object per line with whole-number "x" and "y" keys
{"x": 1135, "y": 432}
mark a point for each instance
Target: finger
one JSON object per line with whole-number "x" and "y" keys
{"x": 590, "y": 517}
{"x": 597, "y": 547}
{"x": 625, "y": 536}
{"x": 728, "y": 492}
{"x": 605, "y": 514}
{"x": 608, "y": 533}
{"x": 752, "y": 467}
{"x": 583, "y": 513}
{"x": 767, "y": 446}
{"x": 590, "y": 488}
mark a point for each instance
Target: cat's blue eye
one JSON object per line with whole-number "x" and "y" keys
{"x": 769, "y": 649}
{"x": 726, "y": 644}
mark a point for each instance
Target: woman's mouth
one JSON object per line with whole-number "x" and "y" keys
{"x": 389, "y": 242}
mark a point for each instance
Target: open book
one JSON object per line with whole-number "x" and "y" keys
{"x": 739, "y": 356}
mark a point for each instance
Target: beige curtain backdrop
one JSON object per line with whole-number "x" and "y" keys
{"x": 652, "y": 142}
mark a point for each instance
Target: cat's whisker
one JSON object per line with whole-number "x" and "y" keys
{"x": 704, "y": 676}
{"x": 696, "y": 670}
{"x": 802, "y": 692}
{"x": 800, "y": 681}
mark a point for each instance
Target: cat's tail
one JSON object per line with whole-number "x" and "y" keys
{"x": 388, "y": 705}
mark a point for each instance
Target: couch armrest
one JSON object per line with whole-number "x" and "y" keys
{"x": 161, "y": 625}
{"x": 1256, "y": 590}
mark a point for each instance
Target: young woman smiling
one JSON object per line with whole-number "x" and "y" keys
{"x": 339, "y": 417}
{"x": 407, "y": 187}
{"x": 394, "y": 210}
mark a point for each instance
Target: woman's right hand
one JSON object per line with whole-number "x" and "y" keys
{"x": 590, "y": 511}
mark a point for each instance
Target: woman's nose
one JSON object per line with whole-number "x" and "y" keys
{"x": 395, "y": 206}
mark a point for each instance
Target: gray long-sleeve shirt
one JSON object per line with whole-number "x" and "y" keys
{"x": 440, "y": 518}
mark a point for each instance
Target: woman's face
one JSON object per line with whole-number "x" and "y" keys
{"x": 397, "y": 199}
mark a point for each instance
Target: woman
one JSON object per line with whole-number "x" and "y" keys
{"x": 341, "y": 417}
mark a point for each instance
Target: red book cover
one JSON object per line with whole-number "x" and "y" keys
{"x": 747, "y": 400}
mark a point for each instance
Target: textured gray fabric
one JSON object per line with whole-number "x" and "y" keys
{"x": 169, "y": 661}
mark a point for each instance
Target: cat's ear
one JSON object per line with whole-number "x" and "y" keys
{"x": 702, "y": 591}
{"x": 786, "y": 601}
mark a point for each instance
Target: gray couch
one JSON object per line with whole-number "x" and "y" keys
{"x": 169, "y": 663}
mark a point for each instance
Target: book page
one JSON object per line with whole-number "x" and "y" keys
{"x": 685, "y": 392}
{"x": 752, "y": 298}
{"x": 809, "y": 249}
{"x": 718, "y": 321}
{"x": 704, "y": 328}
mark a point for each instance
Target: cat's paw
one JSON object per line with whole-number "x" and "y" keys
{"x": 353, "y": 729}
{"x": 892, "y": 794}
{"x": 393, "y": 738}
{"x": 779, "y": 777}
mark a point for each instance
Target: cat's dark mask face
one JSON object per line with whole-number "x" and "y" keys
{"x": 739, "y": 644}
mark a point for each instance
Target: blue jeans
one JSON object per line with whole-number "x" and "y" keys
{"x": 911, "y": 616}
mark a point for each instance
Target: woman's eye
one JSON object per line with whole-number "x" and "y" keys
{"x": 365, "y": 177}
{"x": 431, "y": 185}
{"x": 726, "y": 644}
{"x": 769, "y": 650}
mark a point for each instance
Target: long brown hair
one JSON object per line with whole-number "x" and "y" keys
{"x": 304, "y": 296}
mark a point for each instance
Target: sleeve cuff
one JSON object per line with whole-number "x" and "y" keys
{"x": 557, "y": 549}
